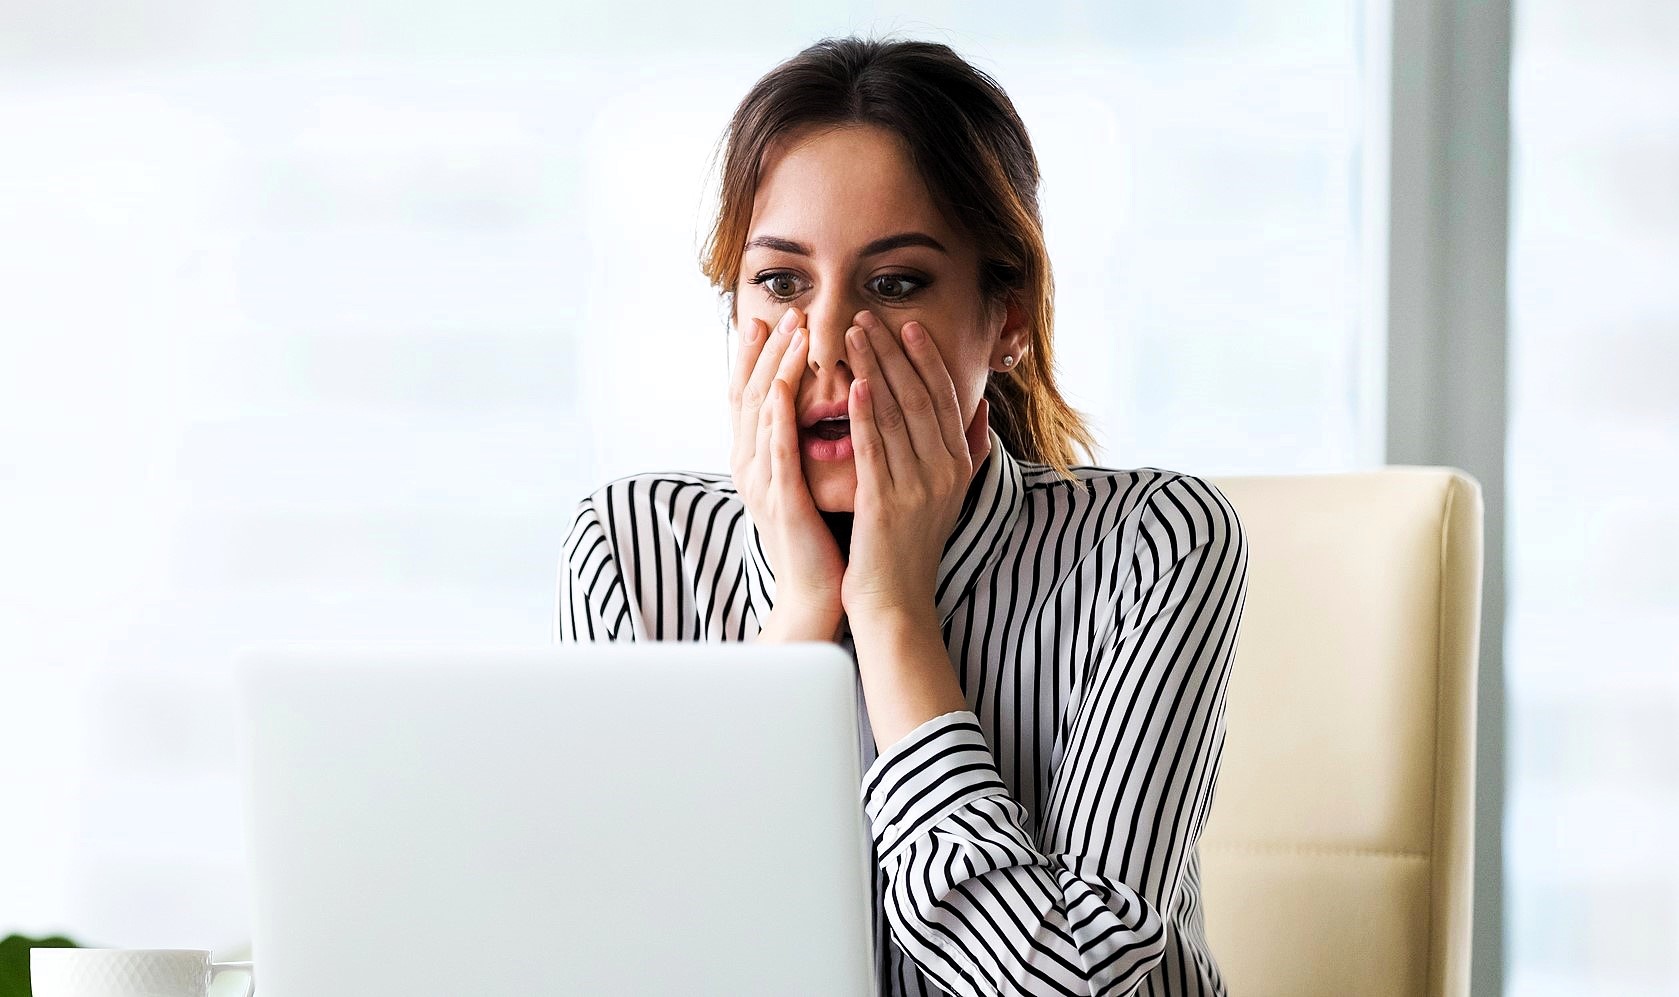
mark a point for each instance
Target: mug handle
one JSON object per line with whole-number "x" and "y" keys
{"x": 218, "y": 968}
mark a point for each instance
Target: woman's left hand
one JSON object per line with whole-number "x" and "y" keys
{"x": 914, "y": 462}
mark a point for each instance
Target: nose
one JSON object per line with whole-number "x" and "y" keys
{"x": 826, "y": 322}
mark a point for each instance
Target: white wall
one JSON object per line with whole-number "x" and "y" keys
{"x": 318, "y": 322}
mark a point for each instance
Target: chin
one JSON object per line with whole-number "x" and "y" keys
{"x": 833, "y": 486}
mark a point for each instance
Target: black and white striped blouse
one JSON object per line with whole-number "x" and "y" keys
{"x": 1042, "y": 841}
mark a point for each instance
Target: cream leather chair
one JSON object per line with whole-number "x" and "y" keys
{"x": 1337, "y": 856}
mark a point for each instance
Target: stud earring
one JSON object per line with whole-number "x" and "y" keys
{"x": 1008, "y": 360}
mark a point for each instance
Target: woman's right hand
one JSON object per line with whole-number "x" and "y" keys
{"x": 802, "y": 552}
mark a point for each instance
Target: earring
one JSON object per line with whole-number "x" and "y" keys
{"x": 1008, "y": 360}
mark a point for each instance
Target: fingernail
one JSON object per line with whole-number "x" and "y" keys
{"x": 912, "y": 332}
{"x": 786, "y": 323}
{"x": 751, "y": 332}
{"x": 798, "y": 339}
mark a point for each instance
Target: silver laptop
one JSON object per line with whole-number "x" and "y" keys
{"x": 464, "y": 819}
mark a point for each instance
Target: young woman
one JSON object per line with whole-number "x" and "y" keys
{"x": 1043, "y": 649}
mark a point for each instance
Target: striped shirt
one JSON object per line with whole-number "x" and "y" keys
{"x": 1042, "y": 841}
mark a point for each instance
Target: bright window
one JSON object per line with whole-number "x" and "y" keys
{"x": 1593, "y": 802}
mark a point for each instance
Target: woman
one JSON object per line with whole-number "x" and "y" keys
{"x": 1043, "y": 649}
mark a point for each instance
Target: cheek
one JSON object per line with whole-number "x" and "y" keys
{"x": 743, "y": 324}
{"x": 745, "y": 312}
{"x": 967, "y": 364}
{"x": 751, "y": 302}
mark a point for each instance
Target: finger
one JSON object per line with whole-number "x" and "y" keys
{"x": 785, "y": 470}
{"x": 757, "y": 385}
{"x": 924, "y": 353}
{"x": 886, "y": 417}
{"x": 868, "y": 450}
{"x": 771, "y": 412}
{"x": 908, "y": 391}
{"x": 746, "y": 354}
{"x": 791, "y": 367}
{"x": 757, "y": 470}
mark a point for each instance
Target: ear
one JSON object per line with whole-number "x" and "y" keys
{"x": 1013, "y": 334}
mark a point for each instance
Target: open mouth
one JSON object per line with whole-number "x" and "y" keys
{"x": 830, "y": 429}
{"x": 827, "y": 440}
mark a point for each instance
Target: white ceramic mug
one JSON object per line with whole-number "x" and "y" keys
{"x": 128, "y": 972}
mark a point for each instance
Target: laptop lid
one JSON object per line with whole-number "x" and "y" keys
{"x": 660, "y": 818}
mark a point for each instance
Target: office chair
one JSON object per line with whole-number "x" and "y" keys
{"x": 1337, "y": 856}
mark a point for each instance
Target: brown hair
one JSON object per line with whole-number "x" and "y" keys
{"x": 974, "y": 155}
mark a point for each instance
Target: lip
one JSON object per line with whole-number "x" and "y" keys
{"x": 822, "y": 410}
{"x": 818, "y": 449}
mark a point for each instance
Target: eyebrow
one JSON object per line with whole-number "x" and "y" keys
{"x": 878, "y": 246}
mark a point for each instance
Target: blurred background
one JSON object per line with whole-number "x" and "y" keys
{"x": 317, "y": 319}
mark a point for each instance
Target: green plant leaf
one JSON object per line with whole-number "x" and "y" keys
{"x": 14, "y": 961}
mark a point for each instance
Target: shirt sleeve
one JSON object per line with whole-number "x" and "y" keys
{"x": 984, "y": 906}
{"x": 592, "y": 604}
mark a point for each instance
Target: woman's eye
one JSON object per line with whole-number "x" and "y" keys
{"x": 897, "y": 281}
{"x": 778, "y": 284}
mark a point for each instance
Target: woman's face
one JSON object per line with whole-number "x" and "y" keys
{"x": 824, "y": 196}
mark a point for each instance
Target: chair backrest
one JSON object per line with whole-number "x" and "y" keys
{"x": 1337, "y": 857}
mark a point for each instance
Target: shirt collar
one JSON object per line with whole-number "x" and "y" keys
{"x": 989, "y": 511}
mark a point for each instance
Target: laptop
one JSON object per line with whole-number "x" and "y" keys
{"x": 463, "y": 819}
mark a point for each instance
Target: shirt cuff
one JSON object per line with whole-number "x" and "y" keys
{"x": 938, "y": 767}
